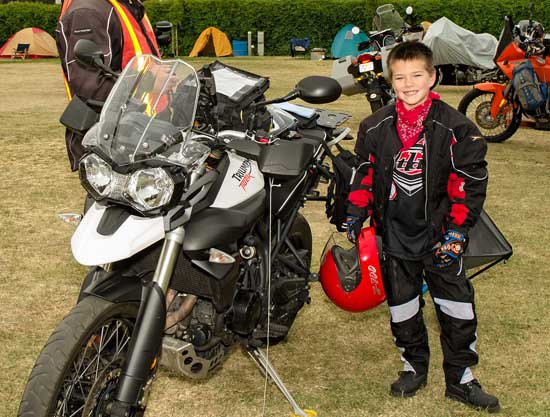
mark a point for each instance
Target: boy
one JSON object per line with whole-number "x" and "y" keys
{"x": 422, "y": 177}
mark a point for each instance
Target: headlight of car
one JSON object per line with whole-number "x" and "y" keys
{"x": 150, "y": 188}
{"x": 98, "y": 174}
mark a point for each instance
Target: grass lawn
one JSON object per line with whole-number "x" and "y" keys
{"x": 337, "y": 363}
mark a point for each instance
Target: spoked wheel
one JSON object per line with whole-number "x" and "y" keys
{"x": 78, "y": 370}
{"x": 476, "y": 105}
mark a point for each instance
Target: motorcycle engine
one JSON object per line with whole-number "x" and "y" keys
{"x": 193, "y": 349}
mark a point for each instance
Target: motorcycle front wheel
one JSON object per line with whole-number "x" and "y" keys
{"x": 77, "y": 372}
{"x": 476, "y": 105}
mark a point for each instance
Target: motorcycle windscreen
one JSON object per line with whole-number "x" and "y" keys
{"x": 486, "y": 244}
{"x": 506, "y": 37}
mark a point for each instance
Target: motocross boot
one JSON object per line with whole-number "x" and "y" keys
{"x": 408, "y": 383}
{"x": 473, "y": 395}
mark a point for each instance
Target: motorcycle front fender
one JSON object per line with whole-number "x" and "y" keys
{"x": 134, "y": 234}
{"x": 111, "y": 286}
{"x": 498, "y": 100}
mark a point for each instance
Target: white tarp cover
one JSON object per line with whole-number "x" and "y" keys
{"x": 452, "y": 44}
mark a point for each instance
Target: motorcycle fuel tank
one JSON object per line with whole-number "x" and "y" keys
{"x": 90, "y": 247}
{"x": 242, "y": 181}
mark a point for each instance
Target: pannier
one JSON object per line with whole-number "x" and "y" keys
{"x": 530, "y": 91}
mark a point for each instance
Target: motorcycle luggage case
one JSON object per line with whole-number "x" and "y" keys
{"x": 341, "y": 74}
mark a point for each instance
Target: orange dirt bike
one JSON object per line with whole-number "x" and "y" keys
{"x": 498, "y": 108}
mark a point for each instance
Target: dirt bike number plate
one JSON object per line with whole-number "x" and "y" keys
{"x": 369, "y": 66}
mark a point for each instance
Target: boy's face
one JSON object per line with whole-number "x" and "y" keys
{"x": 411, "y": 81}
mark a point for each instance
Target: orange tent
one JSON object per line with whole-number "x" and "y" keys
{"x": 41, "y": 44}
{"x": 212, "y": 42}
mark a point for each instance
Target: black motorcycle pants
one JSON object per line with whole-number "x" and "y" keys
{"x": 453, "y": 297}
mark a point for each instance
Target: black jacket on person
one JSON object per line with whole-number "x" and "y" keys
{"x": 454, "y": 168}
{"x": 95, "y": 20}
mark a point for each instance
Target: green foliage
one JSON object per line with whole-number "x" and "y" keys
{"x": 282, "y": 20}
{"x": 320, "y": 20}
{"x": 477, "y": 15}
{"x": 17, "y": 15}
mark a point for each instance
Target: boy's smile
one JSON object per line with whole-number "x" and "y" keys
{"x": 411, "y": 81}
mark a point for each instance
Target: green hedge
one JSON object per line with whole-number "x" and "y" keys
{"x": 18, "y": 15}
{"x": 318, "y": 20}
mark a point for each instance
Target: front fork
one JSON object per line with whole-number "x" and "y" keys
{"x": 147, "y": 336}
{"x": 377, "y": 94}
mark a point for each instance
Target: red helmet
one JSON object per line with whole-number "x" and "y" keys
{"x": 351, "y": 278}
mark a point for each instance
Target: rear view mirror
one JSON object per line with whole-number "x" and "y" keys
{"x": 318, "y": 90}
{"x": 88, "y": 53}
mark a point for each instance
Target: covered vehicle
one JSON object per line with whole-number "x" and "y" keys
{"x": 452, "y": 44}
{"x": 458, "y": 49}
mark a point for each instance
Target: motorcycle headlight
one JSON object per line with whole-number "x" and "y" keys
{"x": 98, "y": 174}
{"x": 150, "y": 188}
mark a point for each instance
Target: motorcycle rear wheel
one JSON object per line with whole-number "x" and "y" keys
{"x": 79, "y": 367}
{"x": 476, "y": 105}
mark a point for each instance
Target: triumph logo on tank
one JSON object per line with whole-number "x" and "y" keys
{"x": 244, "y": 174}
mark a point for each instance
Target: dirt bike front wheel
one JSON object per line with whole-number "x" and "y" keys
{"x": 476, "y": 105}
{"x": 78, "y": 370}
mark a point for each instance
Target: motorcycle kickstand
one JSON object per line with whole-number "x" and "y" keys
{"x": 265, "y": 366}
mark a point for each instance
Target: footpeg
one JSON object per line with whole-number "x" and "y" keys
{"x": 266, "y": 368}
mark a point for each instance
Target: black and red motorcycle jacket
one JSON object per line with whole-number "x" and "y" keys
{"x": 120, "y": 28}
{"x": 454, "y": 169}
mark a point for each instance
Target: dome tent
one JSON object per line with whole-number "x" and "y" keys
{"x": 212, "y": 42}
{"x": 41, "y": 44}
{"x": 345, "y": 42}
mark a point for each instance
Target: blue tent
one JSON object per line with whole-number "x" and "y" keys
{"x": 345, "y": 42}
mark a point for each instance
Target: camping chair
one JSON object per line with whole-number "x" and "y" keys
{"x": 298, "y": 45}
{"x": 21, "y": 51}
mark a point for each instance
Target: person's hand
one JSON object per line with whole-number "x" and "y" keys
{"x": 452, "y": 247}
{"x": 353, "y": 228}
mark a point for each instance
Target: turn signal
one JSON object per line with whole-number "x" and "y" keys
{"x": 219, "y": 257}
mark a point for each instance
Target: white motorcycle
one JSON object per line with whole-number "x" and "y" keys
{"x": 194, "y": 238}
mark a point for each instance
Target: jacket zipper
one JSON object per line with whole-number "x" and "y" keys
{"x": 426, "y": 176}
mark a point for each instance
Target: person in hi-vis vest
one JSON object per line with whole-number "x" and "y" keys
{"x": 120, "y": 28}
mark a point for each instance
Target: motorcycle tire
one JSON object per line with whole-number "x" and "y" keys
{"x": 79, "y": 366}
{"x": 301, "y": 238}
{"x": 476, "y": 105}
{"x": 300, "y": 235}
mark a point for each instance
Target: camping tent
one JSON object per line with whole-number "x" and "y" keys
{"x": 41, "y": 44}
{"x": 212, "y": 42}
{"x": 452, "y": 44}
{"x": 345, "y": 42}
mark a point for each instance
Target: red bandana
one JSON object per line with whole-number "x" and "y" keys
{"x": 410, "y": 122}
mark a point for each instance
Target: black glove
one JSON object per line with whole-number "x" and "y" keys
{"x": 452, "y": 247}
{"x": 353, "y": 228}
